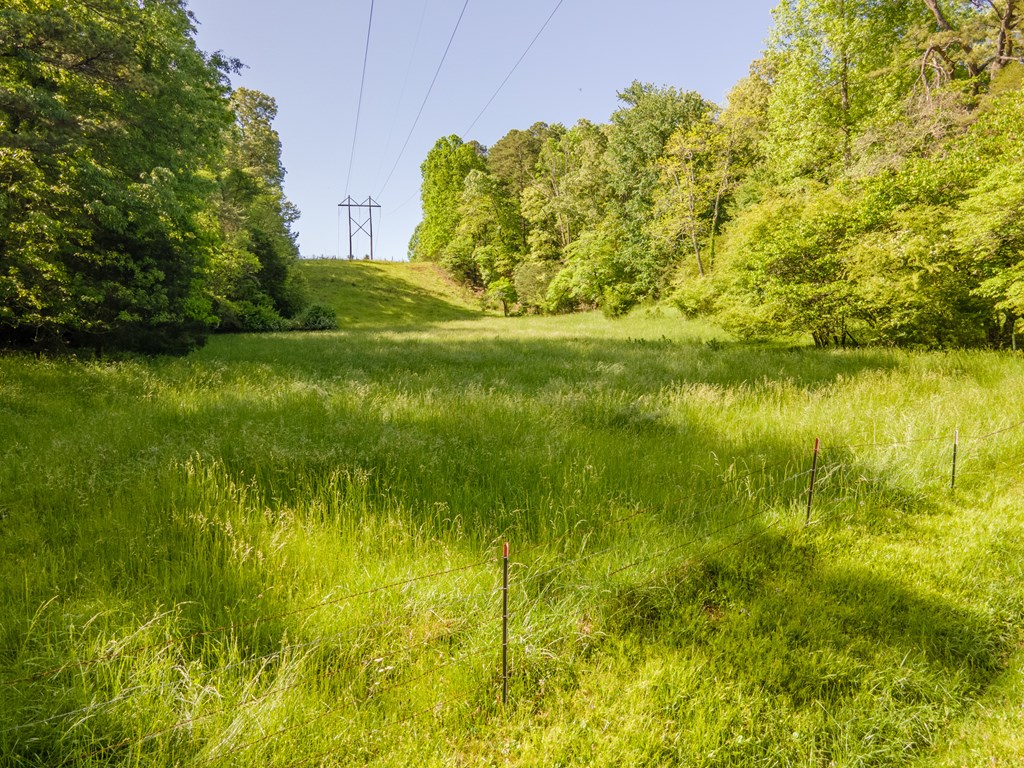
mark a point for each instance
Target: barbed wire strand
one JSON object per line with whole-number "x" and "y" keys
{"x": 706, "y": 536}
{"x": 640, "y": 512}
{"x": 43, "y": 674}
{"x": 321, "y": 643}
{"x": 1010, "y": 428}
{"x": 128, "y": 693}
{"x": 938, "y": 439}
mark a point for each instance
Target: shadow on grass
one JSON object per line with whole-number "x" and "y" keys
{"x": 528, "y": 364}
{"x": 380, "y": 295}
{"x": 842, "y": 654}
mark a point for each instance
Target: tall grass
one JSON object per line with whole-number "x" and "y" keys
{"x": 281, "y": 550}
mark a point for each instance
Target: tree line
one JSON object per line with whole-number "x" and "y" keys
{"x": 863, "y": 184}
{"x": 141, "y": 202}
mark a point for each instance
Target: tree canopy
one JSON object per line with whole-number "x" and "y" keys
{"x": 861, "y": 185}
{"x": 118, "y": 141}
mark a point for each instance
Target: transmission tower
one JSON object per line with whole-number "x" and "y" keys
{"x": 356, "y": 220}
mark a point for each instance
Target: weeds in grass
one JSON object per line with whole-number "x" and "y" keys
{"x": 282, "y": 550}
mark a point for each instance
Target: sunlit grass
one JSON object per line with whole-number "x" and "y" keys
{"x": 197, "y": 552}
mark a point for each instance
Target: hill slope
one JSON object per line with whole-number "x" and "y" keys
{"x": 375, "y": 293}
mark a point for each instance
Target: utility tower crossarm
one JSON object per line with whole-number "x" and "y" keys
{"x": 357, "y": 222}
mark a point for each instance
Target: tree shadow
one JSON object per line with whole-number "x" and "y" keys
{"x": 842, "y": 654}
{"x": 523, "y": 365}
{"x": 377, "y": 295}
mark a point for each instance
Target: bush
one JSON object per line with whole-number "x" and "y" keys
{"x": 247, "y": 317}
{"x": 617, "y": 300}
{"x": 694, "y": 297}
{"x": 316, "y": 317}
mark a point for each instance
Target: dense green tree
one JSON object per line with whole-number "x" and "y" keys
{"x": 788, "y": 275}
{"x": 636, "y": 140}
{"x": 862, "y": 185}
{"x": 253, "y": 276}
{"x": 969, "y": 40}
{"x": 988, "y": 225}
{"x": 698, "y": 173}
{"x": 570, "y": 191}
{"x": 483, "y": 249}
{"x": 513, "y": 162}
{"x": 837, "y": 67}
{"x": 444, "y": 174}
{"x": 108, "y": 117}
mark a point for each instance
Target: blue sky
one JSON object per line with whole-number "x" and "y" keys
{"x": 309, "y": 56}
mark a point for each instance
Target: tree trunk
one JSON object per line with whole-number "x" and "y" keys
{"x": 940, "y": 17}
{"x": 844, "y": 105}
{"x": 692, "y": 207}
{"x": 1007, "y": 24}
{"x": 722, "y": 188}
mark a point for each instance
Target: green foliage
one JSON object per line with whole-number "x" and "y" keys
{"x": 787, "y": 276}
{"x": 532, "y": 280}
{"x": 909, "y": 283}
{"x": 697, "y": 176}
{"x": 256, "y": 263}
{"x": 837, "y": 67}
{"x": 108, "y": 117}
{"x": 513, "y": 162}
{"x": 316, "y": 317}
{"x": 444, "y": 174}
{"x": 503, "y": 291}
{"x": 244, "y": 316}
{"x": 639, "y": 132}
{"x": 861, "y": 186}
{"x": 131, "y": 211}
{"x": 637, "y": 139}
{"x": 914, "y": 240}
{"x": 484, "y": 247}
{"x": 570, "y": 192}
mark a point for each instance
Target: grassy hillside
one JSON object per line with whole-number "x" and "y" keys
{"x": 284, "y": 550}
{"x": 375, "y": 293}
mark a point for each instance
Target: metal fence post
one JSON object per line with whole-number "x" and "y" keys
{"x": 504, "y": 626}
{"x": 814, "y": 475}
{"x": 956, "y": 444}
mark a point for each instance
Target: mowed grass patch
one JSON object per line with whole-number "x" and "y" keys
{"x": 283, "y": 550}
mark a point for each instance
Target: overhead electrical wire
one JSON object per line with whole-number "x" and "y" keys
{"x": 405, "y": 86}
{"x": 359, "y": 104}
{"x": 515, "y": 66}
{"x": 425, "y": 99}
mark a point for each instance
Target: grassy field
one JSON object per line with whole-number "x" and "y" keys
{"x": 284, "y": 550}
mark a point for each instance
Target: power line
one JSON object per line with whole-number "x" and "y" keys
{"x": 515, "y": 66}
{"x": 405, "y": 85}
{"x": 359, "y": 104}
{"x": 425, "y": 98}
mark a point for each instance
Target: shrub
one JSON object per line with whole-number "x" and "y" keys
{"x": 316, "y": 317}
{"x": 247, "y": 317}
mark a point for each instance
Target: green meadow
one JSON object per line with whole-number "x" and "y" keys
{"x": 285, "y": 549}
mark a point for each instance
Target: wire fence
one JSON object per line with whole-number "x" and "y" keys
{"x": 359, "y": 683}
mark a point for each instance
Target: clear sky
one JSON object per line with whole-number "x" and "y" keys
{"x": 308, "y": 54}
